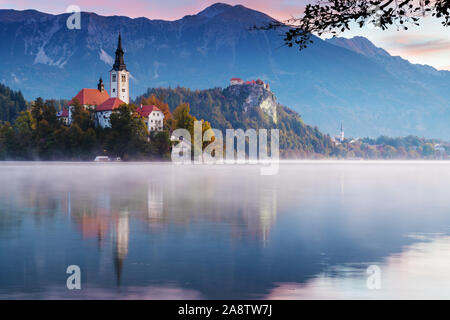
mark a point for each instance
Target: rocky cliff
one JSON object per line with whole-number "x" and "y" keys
{"x": 255, "y": 96}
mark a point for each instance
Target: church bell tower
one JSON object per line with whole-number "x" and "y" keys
{"x": 119, "y": 76}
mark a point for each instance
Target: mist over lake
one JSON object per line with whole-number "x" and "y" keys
{"x": 161, "y": 231}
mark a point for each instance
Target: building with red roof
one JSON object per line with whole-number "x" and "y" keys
{"x": 145, "y": 111}
{"x": 90, "y": 97}
{"x": 104, "y": 111}
{"x": 110, "y": 105}
{"x": 153, "y": 117}
{"x": 259, "y": 82}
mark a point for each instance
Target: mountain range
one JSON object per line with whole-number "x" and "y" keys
{"x": 332, "y": 81}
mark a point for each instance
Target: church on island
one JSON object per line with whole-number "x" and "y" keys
{"x": 105, "y": 104}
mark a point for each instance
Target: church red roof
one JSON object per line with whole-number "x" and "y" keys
{"x": 110, "y": 104}
{"x": 144, "y": 111}
{"x": 91, "y": 97}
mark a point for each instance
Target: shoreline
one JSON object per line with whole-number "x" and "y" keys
{"x": 281, "y": 162}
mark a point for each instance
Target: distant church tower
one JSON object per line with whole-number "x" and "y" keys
{"x": 119, "y": 76}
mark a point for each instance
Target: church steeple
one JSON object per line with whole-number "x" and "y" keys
{"x": 100, "y": 85}
{"x": 119, "y": 64}
{"x": 119, "y": 76}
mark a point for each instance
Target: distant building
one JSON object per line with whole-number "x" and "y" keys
{"x": 153, "y": 117}
{"x": 259, "y": 82}
{"x": 341, "y": 137}
{"x": 236, "y": 81}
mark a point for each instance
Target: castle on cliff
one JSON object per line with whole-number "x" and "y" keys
{"x": 239, "y": 81}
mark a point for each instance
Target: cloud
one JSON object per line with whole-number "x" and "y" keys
{"x": 425, "y": 47}
{"x": 106, "y": 58}
{"x": 419, "y": 45}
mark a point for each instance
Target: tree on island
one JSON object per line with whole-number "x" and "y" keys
{"x": 331, "y": 17}
{"x": 182, "y": 119}
{"x": 128, "y": 134}
{"x": 37, "y": 134}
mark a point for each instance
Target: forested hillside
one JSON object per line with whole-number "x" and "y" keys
{"x": 244, "y": 107}
{"x": 37, "y": 133}
{"x": 230, "y": 109}
{"x": 11, "y": 103}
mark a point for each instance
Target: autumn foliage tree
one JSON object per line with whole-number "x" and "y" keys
{"x": 182, "y": 119}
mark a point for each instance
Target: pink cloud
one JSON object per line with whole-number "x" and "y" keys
{"x": 419, "y": 45}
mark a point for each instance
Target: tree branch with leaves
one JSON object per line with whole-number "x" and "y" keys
{"x": 332, "y": 17}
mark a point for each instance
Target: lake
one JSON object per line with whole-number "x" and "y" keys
{"x": 161, "y": 231}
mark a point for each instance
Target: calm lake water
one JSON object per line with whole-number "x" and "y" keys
{"x": 159, "y": 231}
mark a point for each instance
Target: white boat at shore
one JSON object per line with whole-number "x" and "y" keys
{"x": 106, "y": 159}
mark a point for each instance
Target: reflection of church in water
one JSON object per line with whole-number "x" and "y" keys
{"x": 111, "y": 219}
{"x": 104, "y": 216}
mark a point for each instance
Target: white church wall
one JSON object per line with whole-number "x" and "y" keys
{"x": 103, "y": 119}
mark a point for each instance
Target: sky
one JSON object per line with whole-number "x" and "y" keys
{"x": 427, "y": 44}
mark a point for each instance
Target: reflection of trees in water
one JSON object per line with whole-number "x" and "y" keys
{"x": 109, "y": 209}
{"x": 9, "y": 220}
{"x": 27, "y": 196}
{"x": 249, "y": 208}
{"x": 249, "y": 211}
